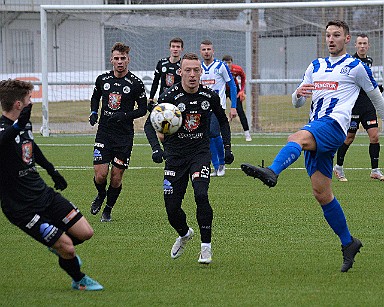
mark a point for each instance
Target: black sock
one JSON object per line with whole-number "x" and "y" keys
{"x": 341, "y": 154}
{"x": 374, "y": 151}
{"x": 100, "y": 187}
{"x": 112, "y": 195}
{"x": 72, "y": 267}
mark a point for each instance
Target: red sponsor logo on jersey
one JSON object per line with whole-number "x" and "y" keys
{"x": 326, "y": 85}
{"x": 114, "y": 101}
{"x": 27, "y": 152}
{"x": 169, "y": 80}
{"x": 192, "y": 121}
{"x": 208, "y": 82}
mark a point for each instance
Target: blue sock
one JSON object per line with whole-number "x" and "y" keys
{"x": 214, "y": 157}
{"x": 286, "y": 156}
{"x": 335, "y": 217}
{"x": 220, "y": 149}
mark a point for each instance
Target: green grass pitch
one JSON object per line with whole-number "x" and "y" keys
{"x": 271, "y": 247}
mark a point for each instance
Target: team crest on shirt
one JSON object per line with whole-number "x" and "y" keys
{"x": 192, "y": 121}
{"x": 114, "y": 101}
{"x": 26, "y": 153}
{"x": 164, "y": 69}
{"x": 169, "y": 80}
{"x": 345, "y": 70}
{"x": 107, "y": 86}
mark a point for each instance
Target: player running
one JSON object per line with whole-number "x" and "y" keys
{"x": 120, "y": 91}
{"x": 25, "y": 198}
{"x": 188, "y": 156}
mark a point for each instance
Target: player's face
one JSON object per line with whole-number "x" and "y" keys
{"x": 206, "y": 52}
{"x": 120, "y": 62}
{"x": 190, "y": 72}
{"x": 336, "y": 40}
{"x": 362, "y": 46}
{"x": 176, "y": 49}
{"x": 229, "y": 63}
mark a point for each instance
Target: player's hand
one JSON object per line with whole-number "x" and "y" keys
{"x": 24, "y": 117}
{"x": 151, "y": 105}
{"x": 305, "y": 90}
{"x": 158, "y": 155}
{"x": 241, "y": 95}
{"x": 60, "y": 182}
{"x": 228, "y": 154}
{"x": 232, "y": 113}
{"x": 93, "y": 117}
{"x": 117, "y": 117}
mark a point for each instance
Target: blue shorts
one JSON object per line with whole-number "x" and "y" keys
{"x": 329, "y": 137}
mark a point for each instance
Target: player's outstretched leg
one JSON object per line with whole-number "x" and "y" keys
{"x": 349, "y": 252}
{"x": 265, "y": 174}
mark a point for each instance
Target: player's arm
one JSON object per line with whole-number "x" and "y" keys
{"x": 156, "y": 80}
{"x": 150, "y": 133}
{"x": 60, "y": 182}
{"x": 8, "y": 134}
{"x": 141, "y": 110}
{"x": 377, "y": 100}
{"x": 241, "y": 93}
{"x": 304, "y": 90}
{"x": 141, "y": 104}
{"x": 95, "y": 102}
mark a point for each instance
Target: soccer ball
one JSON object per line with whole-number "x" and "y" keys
{"x": 166, "y": 118}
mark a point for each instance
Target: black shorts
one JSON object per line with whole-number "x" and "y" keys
{"x": 112, "y": 149}
{"x": 367, "y": 118}
{"x": 48, "y": 224}
{"x": 177, "y": 172}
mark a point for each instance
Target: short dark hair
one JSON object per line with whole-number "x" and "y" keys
{"x": 363, "y": 35}
{"x": 227, "y": 58}
{"x": 121, "y": 47}
{"x": 176, "y": 40}
{"x": 12, "y": 90}
{"x": 340, "y": 24}
{"x": 206, "y": 42}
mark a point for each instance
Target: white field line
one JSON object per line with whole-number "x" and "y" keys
{"x": 161, "y": 166}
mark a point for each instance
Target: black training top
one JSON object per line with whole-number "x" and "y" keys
{"x": 126, "y": 94}
{"x": 21, "y": 186}
{"x": 167, "y": 73}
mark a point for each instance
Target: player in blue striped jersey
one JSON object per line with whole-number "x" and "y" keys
{"x": 216, "y": 74}
{"x": 334, "y": 83}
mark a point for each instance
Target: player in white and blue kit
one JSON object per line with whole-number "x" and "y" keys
{"x": 334, "y": 83}
{"x": 216, "y": 74}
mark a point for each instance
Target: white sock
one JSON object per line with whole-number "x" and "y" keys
{"x": 205, "y": 244}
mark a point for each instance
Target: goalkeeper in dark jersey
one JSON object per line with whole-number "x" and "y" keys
{"x": 187, "y": 154}
{"x": 123, "y": 99}
{"x": 25, "y": 198}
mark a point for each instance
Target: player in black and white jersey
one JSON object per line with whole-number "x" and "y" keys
{"x": 123, "y": 99}
{"x": 25, "y": 198}
{"x": 167, "y": 70}
{"x": 188, "y": 154}
{"x": 365, "y": 113}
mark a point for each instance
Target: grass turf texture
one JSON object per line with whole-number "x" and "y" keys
{"x": 271, "y": 247}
